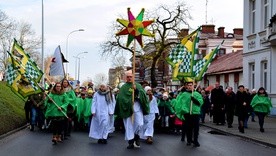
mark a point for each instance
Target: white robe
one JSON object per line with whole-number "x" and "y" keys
{"x": 99, "y": 123}
{"x": 134, "y": 127}
{"x": 111, "y": 127}
{"x": 148, "y": 128}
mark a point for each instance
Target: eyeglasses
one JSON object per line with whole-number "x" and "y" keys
{"x": 129, "y": 76}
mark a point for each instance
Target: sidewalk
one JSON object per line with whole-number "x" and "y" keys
{"x": 252, "y": 132}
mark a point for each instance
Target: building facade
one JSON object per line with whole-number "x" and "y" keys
{"x": 259, "y": 54}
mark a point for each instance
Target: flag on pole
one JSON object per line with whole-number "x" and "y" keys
{"x": 22, "y": 74}
{"x": 56, "y": 67}
{"x": 178, "y": 53}
{"x": 185, "y": 66}
{"x": 202, "y": 65}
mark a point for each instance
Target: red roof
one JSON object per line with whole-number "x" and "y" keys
{"x": 227, "y": 63}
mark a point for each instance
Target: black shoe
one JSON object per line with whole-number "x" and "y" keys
{"x": 130, "y": 146}
{"x": 262, "y": 130}
{"x": 253, "y": 120}
{"x": 230, "y": 126}
{"x": 182, "y": 139}
{"x": 137, "y": 144}
{"x": 100, "y": 141}
{"x": 136, "y": 140}
{"x": 104, "y": 141}
{"x": 241, "y": 129}
{"x": 196, "y": 144}
{"x": 189, "y": 144}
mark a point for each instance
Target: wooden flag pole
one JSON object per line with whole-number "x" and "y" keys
{"x": 133, "y": 77}
{"x": 191, "y": 105}
{"x": 133, "y": 68}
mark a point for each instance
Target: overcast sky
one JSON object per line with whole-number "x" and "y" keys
{"x": 96, "y": 16}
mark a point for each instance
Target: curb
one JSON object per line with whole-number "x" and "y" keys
{"x": 12, "y": 132}
{"x": 241, "y": 136}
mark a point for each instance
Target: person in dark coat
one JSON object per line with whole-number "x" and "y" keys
{"x": 242, "y": 106}
{"x": 217, "y": 102}
{"x": 206, "y": 105}
{"x": 230, "y": 101}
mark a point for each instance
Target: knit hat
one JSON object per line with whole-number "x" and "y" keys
{"x": 147, "y": 88}
{"x": 90, "y": 91}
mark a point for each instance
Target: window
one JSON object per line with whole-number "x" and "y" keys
{"x": 203, "y": 53}
{"x": 265, "y": 14}
{"x": 264, "y": 74}
{"x": 252, "y": 75}
{"x": 222, "y": 51}
{"x": 252, "y": 15}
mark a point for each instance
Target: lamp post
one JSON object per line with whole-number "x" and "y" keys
{"x": 67, "y": 48}
{"x": 77, "y": 72}
{"x": 42, "y": 41}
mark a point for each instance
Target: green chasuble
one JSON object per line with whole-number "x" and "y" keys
{"x": 72, "y": 98}
{"x": 51, "y": 109}
{"x": 80, "y": 108}
{"x": 124, "y": 105}
{"x": 183, "y": 104}
{"x": 87, "y": 111}
{"x": 261, "y": 104}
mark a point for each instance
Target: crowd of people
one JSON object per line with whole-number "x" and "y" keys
{"x": 139, "y": 110}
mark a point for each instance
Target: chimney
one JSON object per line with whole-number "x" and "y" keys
{"x": 221, "y": 32}
{"x": 183, "y": 33}
{"x": 238, "y": 31}
{"x": 208, "y": 29}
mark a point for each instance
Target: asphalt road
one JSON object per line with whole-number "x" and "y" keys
{"x": 26, "y": 143}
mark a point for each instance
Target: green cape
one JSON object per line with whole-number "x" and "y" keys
{"x": 124, "y": 105}
{"x": 261, "y": 104}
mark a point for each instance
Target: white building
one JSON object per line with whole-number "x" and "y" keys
{"x": 259, "y": 49}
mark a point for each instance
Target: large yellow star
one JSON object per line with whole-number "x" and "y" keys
{"x": 135, "y": 27}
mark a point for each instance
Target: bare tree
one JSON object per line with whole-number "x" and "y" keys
{"x": 7, "y": 29}
{"x": 119, "y": 64}
{"x": 100, "y": 78}
{"x": 27, "y": 38}
{"x": 169, "y": 20}
{"x": 23, "y": 33}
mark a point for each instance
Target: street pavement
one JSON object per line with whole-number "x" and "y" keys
{"x": 252, "y": 132}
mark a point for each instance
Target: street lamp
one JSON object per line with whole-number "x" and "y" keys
{"x": 78, "y": 62}
{"x": 42, "y": 41}
{"x": 67, "y": 48}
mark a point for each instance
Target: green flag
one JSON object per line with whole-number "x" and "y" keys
{"x": 22, "y": 73}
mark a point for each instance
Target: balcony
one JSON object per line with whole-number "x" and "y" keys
{"x": 272, "y": 32}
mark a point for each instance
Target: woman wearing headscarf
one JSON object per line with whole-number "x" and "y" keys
{"x": 101, "y": 111}
{"x": 261, "y": 105}
{"x": 148, "y": 129}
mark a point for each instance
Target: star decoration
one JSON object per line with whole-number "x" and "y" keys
{"x": 135, "y": 28}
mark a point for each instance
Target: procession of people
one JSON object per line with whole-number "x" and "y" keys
{"x": 142, "y": 110}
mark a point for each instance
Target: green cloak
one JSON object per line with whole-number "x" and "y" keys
{"x": 124, "y": 105}
{"x": 51, "y": 109}
{"x": 261, "y": 104}
{"x": 80, "y": 108}
{"x": 183, "y": 104}
{"x": 87, "y": 111}
{"x": 72, "y": 98}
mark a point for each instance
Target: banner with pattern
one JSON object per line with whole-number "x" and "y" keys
{"x": 22, "y": 73}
